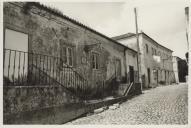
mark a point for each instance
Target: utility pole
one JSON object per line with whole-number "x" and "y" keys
{"x": 138, "y": 50}
{"x": 188, "y": 35}
{"x": 187, "y": 25}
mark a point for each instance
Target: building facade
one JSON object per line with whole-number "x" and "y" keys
{"x": 155, "y": 59}
{"x": 32, "y": 29}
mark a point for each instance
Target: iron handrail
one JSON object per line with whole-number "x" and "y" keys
{"x": 128, "y": 89}
{"x": 67, "y": 66}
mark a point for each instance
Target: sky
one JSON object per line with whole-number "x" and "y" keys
{"x": 162, "y": 20}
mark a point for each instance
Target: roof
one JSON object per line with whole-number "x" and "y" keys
{"x": 60, "y": 14}
{"x": 177, "y": 57}
{"x": 123, "y": 36}
{"x": 133, "y": 35}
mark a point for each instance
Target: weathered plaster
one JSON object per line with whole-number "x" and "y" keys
{"x": 48, "y": 33}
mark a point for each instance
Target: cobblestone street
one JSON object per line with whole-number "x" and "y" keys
{"x": 161, "y": 105}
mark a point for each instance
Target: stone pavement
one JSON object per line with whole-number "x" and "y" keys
{"x": 161, "y": 105}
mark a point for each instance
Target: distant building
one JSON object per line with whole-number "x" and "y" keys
{"x": 156, "y": 60}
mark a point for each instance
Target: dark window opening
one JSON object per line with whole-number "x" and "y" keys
{"x": 95, "y": 59}
{"x": 147, "y": 49}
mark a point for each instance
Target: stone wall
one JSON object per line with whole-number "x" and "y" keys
{"x": 20, "y": 100}
{"x": 48, "y": 105}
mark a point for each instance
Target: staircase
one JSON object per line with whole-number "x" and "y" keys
{"x": 31, "y": 69}
{"x": 124, "y": 89}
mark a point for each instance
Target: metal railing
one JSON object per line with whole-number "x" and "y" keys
{"x": 30, "y": 69}
{"x": 128, "y": 89}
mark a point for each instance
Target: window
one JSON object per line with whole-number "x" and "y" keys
{"x": 152, "y": 51}
{"x": 95, "y": 58}
{"x": 159, "y": 53}
{"x": 67, "y": 55}
{"x": 64, "y": 55}
{"x": 147, "y": 49}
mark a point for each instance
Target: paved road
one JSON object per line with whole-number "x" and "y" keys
{"x": 161, "y": 105}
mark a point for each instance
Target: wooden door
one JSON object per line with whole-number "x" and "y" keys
{"x": 149, "y": 77}
{"x": 131, "y": 71}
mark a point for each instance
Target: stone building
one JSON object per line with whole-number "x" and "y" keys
{"x": 156, "y": 60}
{"x": 84, "y": 54}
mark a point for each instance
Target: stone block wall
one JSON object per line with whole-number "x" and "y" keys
{"x": 17, "y": 101}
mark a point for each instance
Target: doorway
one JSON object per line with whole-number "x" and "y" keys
{"x": 118, "y": 68}
{"x": 131, "y": 71}
{"x": 148, "y": 74}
